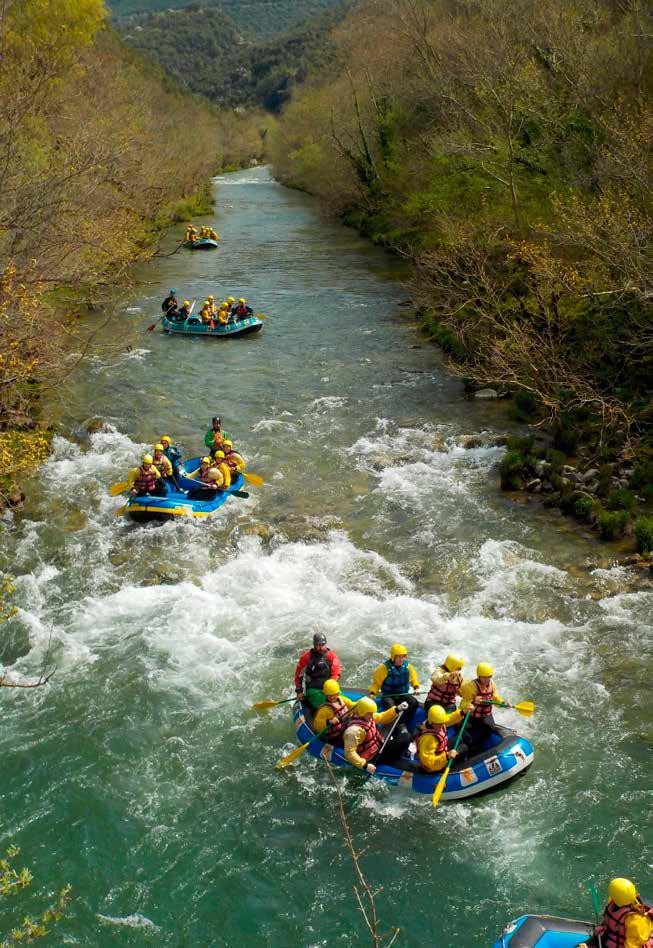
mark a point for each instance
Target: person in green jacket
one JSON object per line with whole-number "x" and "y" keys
{"x": 216, "y": 428}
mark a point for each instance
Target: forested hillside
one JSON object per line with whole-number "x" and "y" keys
{"x": 206, "y": 52}
{"x": 96, "y": 157}
{"x": 254, "y": 17}
{"x": 505, "y": 147}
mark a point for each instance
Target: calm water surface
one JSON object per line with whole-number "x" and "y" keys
{"x": 141, "y": 776}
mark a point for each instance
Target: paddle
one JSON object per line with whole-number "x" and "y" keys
{"x": 264, "y": 705}
{"x": 439, "y": 787}
{"x": 298, "y": 751}
{"x": 525, "y": 708}
{"x": 120, "y": 488}
{"x": 253, "y": 479}
{"x": 164, "y": 315}
{"x": 597, "y": 906}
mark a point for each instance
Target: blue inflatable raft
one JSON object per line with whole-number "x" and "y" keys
{"x": 193, "y": 326}
{"x": 505, "y": 756}
{"x": 203, "y": 243}
{"x": 177, "y": 503}
{"x": 544, "y": 931}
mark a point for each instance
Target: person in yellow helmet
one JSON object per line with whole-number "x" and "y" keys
{"x": 234, "y": 461}
{"x": 432, "y": 741}
{"x": 213, "y": 307}
{"x": 334, "y": 711}
{"x": 146, "y": 479}
{"x": 184, "y": 311}
{"x": 393, "y": 678}
{"x": 445, "y": 684}
{"x": 223, "y": 314}
{"x": 626, "y": 919}
{"x": 173, "y": 454}
{"x": 242, "y": 311}
{"x": 364, "y": 741}
{"x": 209, "y": 478}
{"x": 161, "y": 462}
{"x": 205, "y": 312}
{"x": 475, "y": 697}
{"x": 223, "y": 467}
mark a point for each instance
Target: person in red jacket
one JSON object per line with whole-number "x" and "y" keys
{"x": 315, "y": 666}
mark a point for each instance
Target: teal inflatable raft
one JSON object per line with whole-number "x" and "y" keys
{"x": 203, "y": 243}
{"x": 504, "y": 756}
{"x": 193, "y": 326}
{"x": 176, "y": 503}
{"x": 544, "y": 931}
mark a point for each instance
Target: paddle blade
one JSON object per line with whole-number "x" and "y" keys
{"x": 116, "y": 489}
{"x": 239, "y": 493}
{"x": 264, "y": 705}
{"x": 260, "y": 316}
{"x": 596, "y": 902}
{"x": 292, "y": 756}
{"x": 439, "y": 789}
{"x": 151, "y": 328}
{"x": 253, "y": 479}
{"x": 525, "y": 708}
{"x": 120, "y": 511}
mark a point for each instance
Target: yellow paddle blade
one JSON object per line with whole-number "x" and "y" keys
{"x": 260, "y": 316}
{"x": 292, "y": 756}
{"x": 439, "y": 789}
{"x": 120, "y": 511}
{"x": 253, "y": 479}
{"x": 265, "y": 704}
{"x": 116, "y": 489}
{"x": 525, "y": 708}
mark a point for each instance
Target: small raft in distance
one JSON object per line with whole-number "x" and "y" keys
{"x": 195, "y": 327}
{"x": 544, "y": 931}
{"x": 506, "y": 756}
{"x": 202, "y": 243}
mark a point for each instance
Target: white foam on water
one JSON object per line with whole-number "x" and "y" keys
{"x": 129, "y": 921}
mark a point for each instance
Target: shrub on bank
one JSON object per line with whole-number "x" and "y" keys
{"x": 514, "y": 468}
{"x": 621, "y": 499}
{"x": 644, "y": 534}
{"x": 584, "y": 509}
{"x": 612, "y": 524}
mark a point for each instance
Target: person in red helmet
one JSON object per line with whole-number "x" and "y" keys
{"x": 315, "y": 666}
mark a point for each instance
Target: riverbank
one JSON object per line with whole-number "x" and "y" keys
{"x": 519, "y": 191}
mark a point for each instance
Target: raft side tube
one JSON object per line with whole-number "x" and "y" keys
{"x": 544, "y": 931}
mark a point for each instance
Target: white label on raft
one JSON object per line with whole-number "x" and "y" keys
{"x": 519, "y": 754}
{"x": 468, "y": 777}
{"x": 493, "y": 765}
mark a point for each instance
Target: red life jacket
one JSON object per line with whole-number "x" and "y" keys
{"x": 613, "y": 929}
{"x": 487, "y": 694}
{"x": 440, "y": 736}
{"x": 371, "y": 743}
{"x": 161, "y": 465}
{"x": 336, "y": 722}
{"x": 233, "y": 467}
{"x": 203, "y": 476}
{"x": 241, "y": 311}
{"x": 145, "y": 481}
{"x": 446, "y": 694}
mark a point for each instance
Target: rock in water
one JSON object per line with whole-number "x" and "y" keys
{"x": 486, "y": 393}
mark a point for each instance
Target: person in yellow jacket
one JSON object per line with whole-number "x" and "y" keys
{"x": 161, "y": 462}
{"x": 213, "y": 306}
{"x": 475, "y": 697}
{"x": 626, "y": 919}
{"x": 191, "y": 234}
{"x": 146, "y": 479}
{"x": 333, "y": 712}
{"x": 223, "y": 314}
{"x": 446, "y": 681}
{"x": 222, "y": 466}
{"x": 205, "y": 312}
{"x": 363, "y": 740}
{"x": 432, "y": 741}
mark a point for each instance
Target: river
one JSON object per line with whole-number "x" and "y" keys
{"x": 140, "y": 774}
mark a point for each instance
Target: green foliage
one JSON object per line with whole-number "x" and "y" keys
{"x": 555, "y": 458}
{"x": 644, "y": 534}
{"x": 523, "y": 444}
{"x": 621, "y": 499}
{"x": 612, "y": 523}
{"x": 566, "y": 437}
{"x": 605, "y": 479}
{"x": 515, "y": 468}
{"x": 445, "y": 338}
{"x": 584, "y": 509}
{"x": 13, "y": 882}
{"x": 641, "y": 479}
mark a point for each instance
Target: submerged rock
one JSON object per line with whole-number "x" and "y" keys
{"x": 486, "y": 393}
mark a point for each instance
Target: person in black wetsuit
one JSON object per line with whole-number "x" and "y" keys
{"x": 170, "y": 306}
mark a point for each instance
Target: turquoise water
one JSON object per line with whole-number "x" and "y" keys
{"x": 141, "y": 775}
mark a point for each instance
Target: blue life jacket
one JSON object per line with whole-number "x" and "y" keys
{"x": 398, "y": 679}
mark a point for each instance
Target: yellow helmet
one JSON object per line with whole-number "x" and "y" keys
{"x": 229, "y": 444}
{"x": 397, "y": 649}
{"x": 622, "y": 892}
{"x": 186, "y": 303}
{"x": 147, "y": 459}
{"x": 437, "y": 714}
{"x": 366, "y": 706}
{"x": 454, "y": 663}
{"x": 242, "y": 300}
{"x": 331, "y": 687}
{"x": 158, "y": 447}
{"x": 166, "y": 439}
{"x": 230, "y": 299}
{"x": 484, "y": 670}
{"x": 206, "y": 460}
{"x": 211, "y": 298}
{"x": 219, "y": 454}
